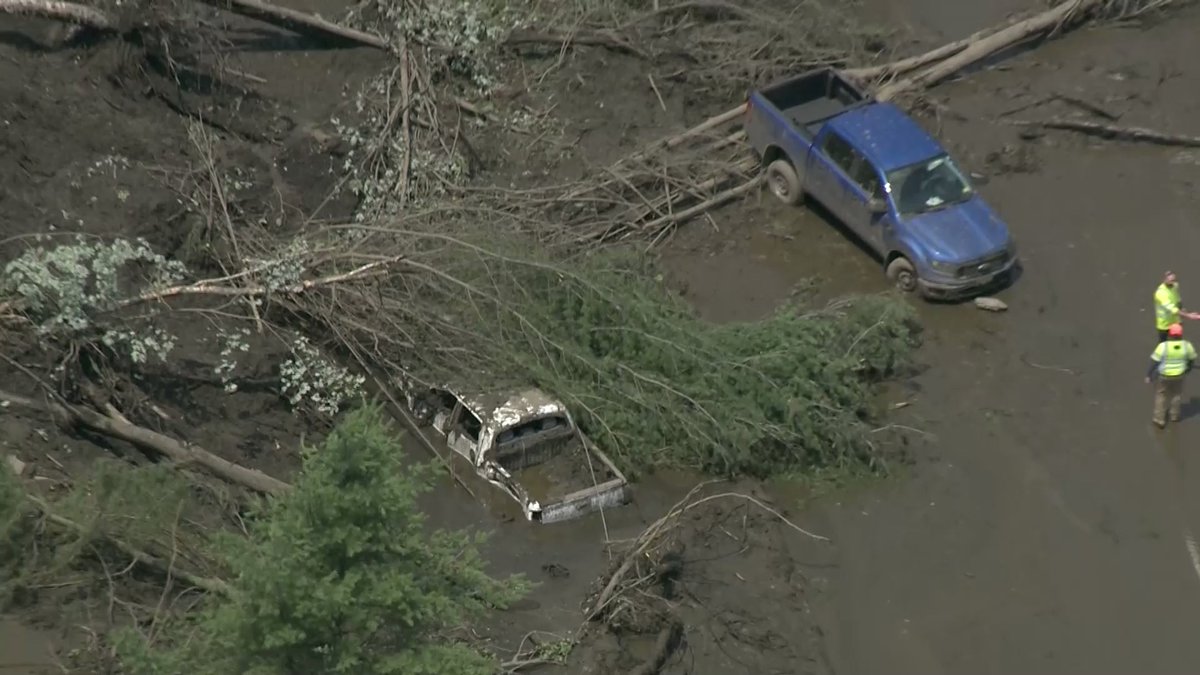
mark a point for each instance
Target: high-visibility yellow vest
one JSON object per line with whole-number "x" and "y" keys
{"x": 1173, "y": 357}
{"x": 1166, "y": 306}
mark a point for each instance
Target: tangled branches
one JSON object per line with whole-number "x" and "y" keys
{"x": 645, "y": 195}
{"x": 725, "y": 44}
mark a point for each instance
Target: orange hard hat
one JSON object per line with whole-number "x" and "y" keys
{"x": 1176, "y": 330}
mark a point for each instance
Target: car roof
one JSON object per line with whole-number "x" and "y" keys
{"x": 504, "y": 408}
{"x": 886, "y": 135}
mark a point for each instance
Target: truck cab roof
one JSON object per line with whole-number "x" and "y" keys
{"x": 503, "y": 409}
{"x": 886, "y": 135}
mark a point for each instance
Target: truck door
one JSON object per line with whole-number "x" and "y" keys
{"x": 463, "y": 436}
{"x": 865, "y": 186}
{"x": 830, "y": 163}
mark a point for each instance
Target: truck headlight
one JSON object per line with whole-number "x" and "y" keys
{"x": 943, "y": 267}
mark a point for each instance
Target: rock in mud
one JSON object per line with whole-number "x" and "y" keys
{"x": 15, "y": 465}
{"x": 991, "y": 304}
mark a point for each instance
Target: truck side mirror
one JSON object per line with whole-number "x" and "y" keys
{"x": 877, "y": 206}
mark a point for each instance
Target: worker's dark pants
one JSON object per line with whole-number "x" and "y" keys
{"x": 1162, "y": 336}
{"x": 1168, "y": 392}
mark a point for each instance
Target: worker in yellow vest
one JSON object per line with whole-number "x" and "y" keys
{"x": 1168, "y": 306}
{"x": 1172, "y": 359}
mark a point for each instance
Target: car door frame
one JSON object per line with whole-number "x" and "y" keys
{"x": 829, "y": 180}
{"x": 870, "y": 226}
{"x": 459, "y": 442}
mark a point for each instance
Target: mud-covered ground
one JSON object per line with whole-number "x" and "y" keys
{"x": 1044, "y": 526}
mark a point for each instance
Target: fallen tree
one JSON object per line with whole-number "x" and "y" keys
{"x": 943, "y": 62}
{"x": 1115, "y": 132}
{"x": 183, "y": 454}
{"x": 282, "y": 17}
{"x": 69, "y": 12}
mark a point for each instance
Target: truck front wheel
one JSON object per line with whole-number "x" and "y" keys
{"x": 901, "y": 272}
{"x": 783, "y": 182}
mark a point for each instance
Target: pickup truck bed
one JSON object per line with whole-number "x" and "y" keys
{"x": 812, "y": 98}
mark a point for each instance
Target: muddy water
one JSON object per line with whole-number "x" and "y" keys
{"x": 23, "y": 651}
{"x": 1047, "y": 527}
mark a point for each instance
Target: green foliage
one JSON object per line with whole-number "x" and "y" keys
{"x": 67, "y": 290}
{"x": 143, "y": 507}
{"x": 309, "y": 380}
{"x": 341, "y": 575}
{"x": 656, "y": 385}
{"x": 147, "y": 507}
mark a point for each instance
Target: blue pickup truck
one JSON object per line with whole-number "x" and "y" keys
{"x": 885, "y": 178}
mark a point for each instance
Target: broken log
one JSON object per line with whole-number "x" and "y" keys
{"x": 179, "y": 452}
{"x": 299, "y": 22}
{"x": 68, "y": 12}
{"x": 1063, "y": 15}
{"x": 710, "y": 203}
{"x": 907, "y": 65}
{"x": 1116, "y": 133}
{"x": 590, "y": 38}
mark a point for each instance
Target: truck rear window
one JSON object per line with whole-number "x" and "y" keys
{"x": 531, "y": 428}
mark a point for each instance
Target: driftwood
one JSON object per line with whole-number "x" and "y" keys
{"x": 299, "y": 22}
{"x": 275, "y": 15}
{"x": 591, "y": 38}
{"x": 68, "y": 12}
{"x": 959, "y": 55}
{"x": 1116, "y": 133}
{"x": 146, "y": 439}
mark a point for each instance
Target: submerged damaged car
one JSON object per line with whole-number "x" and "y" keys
{"x": 525, "y": 443}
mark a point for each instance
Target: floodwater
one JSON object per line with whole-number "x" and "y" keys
{"x": 23, "y": 651}
{"x": 1046, "y": 527}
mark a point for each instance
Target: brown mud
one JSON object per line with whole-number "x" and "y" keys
{"x": 1044, "y": 526}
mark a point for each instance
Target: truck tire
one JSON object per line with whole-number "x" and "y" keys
{"x": 784, "y": 183}
{"x": 902, "y": 273}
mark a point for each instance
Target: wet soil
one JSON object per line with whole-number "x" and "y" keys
{"x": 1045, "y": 527}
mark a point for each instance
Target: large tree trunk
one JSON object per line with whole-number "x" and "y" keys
{"x": 59, "y": 11}
{"x": 181, "y": 453}
{"x": 1042, "y": 24}
{"x": 297, "y": 21}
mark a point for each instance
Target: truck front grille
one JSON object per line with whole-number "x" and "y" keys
{"x": 983, "y": 266}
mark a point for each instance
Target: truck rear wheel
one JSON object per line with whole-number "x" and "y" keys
{"x": 783, "y": 182}
{"x": 902, "y": 273}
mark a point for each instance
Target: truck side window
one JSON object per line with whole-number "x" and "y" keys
{"x": 867, "y": 178}
{"x": 841, "y": 152}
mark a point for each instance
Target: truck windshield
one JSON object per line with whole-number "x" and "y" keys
{"x": 928, "y": 185}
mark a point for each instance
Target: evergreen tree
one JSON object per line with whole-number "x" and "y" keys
{"x": 341, "y": 575}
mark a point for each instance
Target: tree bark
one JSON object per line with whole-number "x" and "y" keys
{"x": 59, "y": 11}
{"x": 146, "y": 439}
